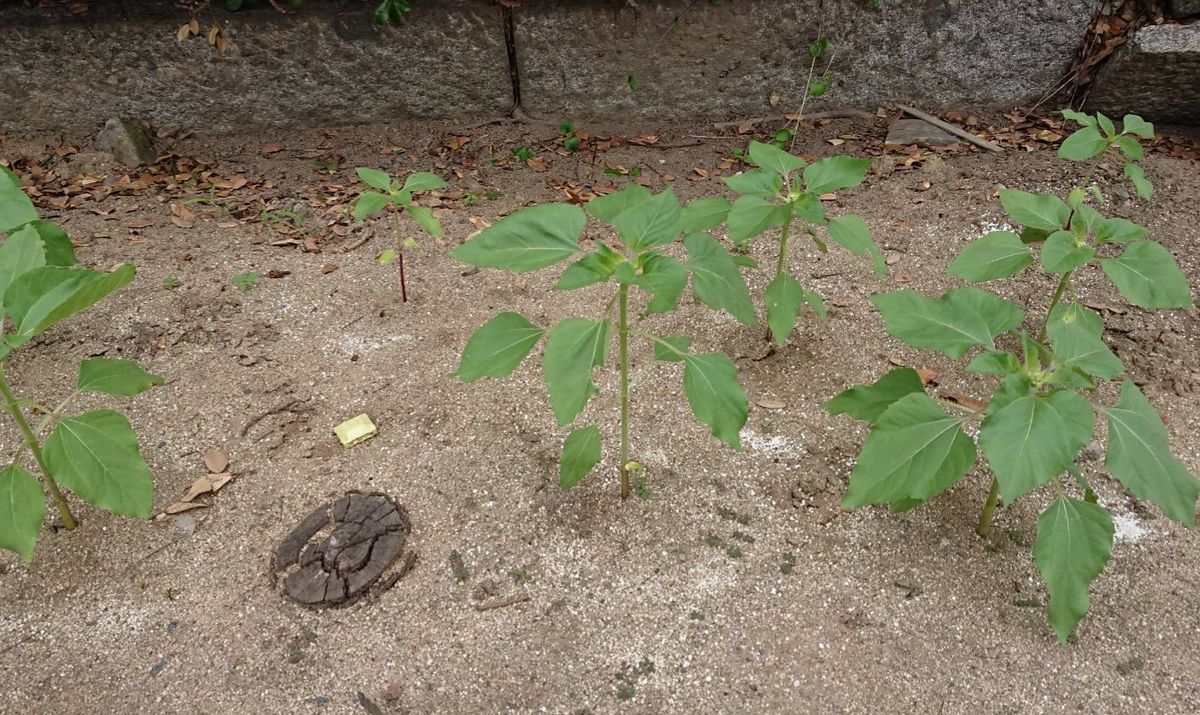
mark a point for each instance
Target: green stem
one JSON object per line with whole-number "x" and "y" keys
{"x": 781, "y": 263}
{"x": 10, "y": 402}
{"x": 1058, "y": 294}
{"x": 623, "y": 346}
{"x": 989, "y": 510}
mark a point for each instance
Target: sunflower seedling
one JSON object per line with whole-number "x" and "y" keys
{"x": 1037, "y": 421}
{"x": 94, "y": 454}
{"x": 781, "y": 190}
{"x": 398, "y": 198}
{"x": 644, "y": 224}
{"x": 1098, "y": 137}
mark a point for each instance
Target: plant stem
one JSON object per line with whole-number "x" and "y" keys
{"x": 14, "y": 409}
{"x": 781, "y": 263}
{"x": 989, "y": 510}
{"x": 1058, "y": 294}
{"x": 399, "y": 255}
{"x": 623, "y": 346}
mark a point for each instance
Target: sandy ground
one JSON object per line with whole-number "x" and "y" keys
{"x": 675, "y": 601}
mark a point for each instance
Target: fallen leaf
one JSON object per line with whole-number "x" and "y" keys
{"x": 217, "y": 460}
{"x": 278, "y": 274}
{"x": 328, "y": 268}
{"x": 836, "y": 142}
{"x": 271, "y": 149}
{"x": 774, "y": 99}
{"x": 180, "y": 507}
{"x": 770, "y": 403}
{"x": 964, "y": 400}
{"x": 200, "y": 487}
{"x": 927, "y": 375}
{"x": 703, "y": 174}
{"x": 538, "y": 164}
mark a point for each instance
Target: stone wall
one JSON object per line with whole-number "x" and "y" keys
{"x": 328, "y": 64}
{"x": 699, "y": 58}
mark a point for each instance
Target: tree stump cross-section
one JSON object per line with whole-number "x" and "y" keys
{"x": 341, "y": 549}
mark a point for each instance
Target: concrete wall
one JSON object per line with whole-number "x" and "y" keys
{"x": 327, "y": 64}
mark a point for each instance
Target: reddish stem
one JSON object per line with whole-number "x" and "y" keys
{"x": 403, "y": 289}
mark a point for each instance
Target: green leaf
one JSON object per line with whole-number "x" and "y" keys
{"x": 1106, "y": 125}
{"x": 16, "y": 209}
{"x": 1085, "y": 218}
{"x": 716, "y": 279}
{"x": 1141, "y": 184}
{"x": 1074, "y": 539}
{"x": 869, "y": 402}
{"x": 1034, "y": 438}
{"x": 576, "y": 345}
{"x": 744, "y": 261}
{"x": 717, "y": 400}
{"x": 751, "y": 215}
{"x": 96, "y": 456}
{"x": 653, "y": 222}
{"x": 595, "y": 267}
{"x": 374, "y": 178}
{"x": 532, "y": 238}
{"x": 59, "y": 249}
{"x": 1139, "y": 457}
{"x": 816, "y": 302}
{"x": 808, "y": 207}
{"x": 22, "y": 509}
{"x": 1061, "y": 253}
{"x": 367, "y": 203}
{"x": 1131, "y": 147}
{"x": 784, "y": 299}
{"x": 704, "y": 214}
{"x": 1147, "y": 275}
{"x": 774, "y": 159}
{"x": 1078, "y": 117}
{"x": 386, "y": 257}
{"x": 20, "y": 253}
{"x": 423, "y": 181}
{"x": 851, "y": 233}
{"x": 1033, "y": 235}
{"x": 998, "y": 254}
{"x": 951, "y": 324}
{"x": 1083, "y": 144}
{"x": 755, "y": 182}
{"x": 834, "y": 173}
{"x": 1074, "y": 333}
{"x": 424, "y": 217}
{"x": 1044, "y": 212}
{"x": 1134, "y": 124}
{"x": 671, "y": 349}
{"x": 994, "y": 362}
{"x": 580, "y": 454}
{"x": 42, "y": 297}
{"x": 664, "y": 278}
{"x": 914, "y": 451}
{"x": 120, "y": 378}
{"x": 1119, "y": 230}
{"x": 498, "y": 347}
{"x": 608, "y": 207}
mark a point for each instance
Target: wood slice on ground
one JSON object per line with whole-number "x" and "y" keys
{"x": 341, "y": 549}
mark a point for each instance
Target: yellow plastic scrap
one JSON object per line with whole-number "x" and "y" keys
{"x": 355, "y": 430}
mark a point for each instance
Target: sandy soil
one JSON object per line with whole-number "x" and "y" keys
{"x": 674, "y": 602}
